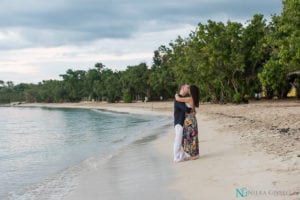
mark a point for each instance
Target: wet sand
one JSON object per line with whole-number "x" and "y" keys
{"x": 139, "y": 171}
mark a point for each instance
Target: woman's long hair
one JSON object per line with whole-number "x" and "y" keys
{"x": 195, "y": 95}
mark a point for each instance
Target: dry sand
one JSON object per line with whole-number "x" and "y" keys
{"x": 250, "y": 147}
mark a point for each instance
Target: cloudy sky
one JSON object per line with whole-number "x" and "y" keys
{"x": 41, "y": 39}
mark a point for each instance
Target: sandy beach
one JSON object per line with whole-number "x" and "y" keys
{"x": 247, "y": 151}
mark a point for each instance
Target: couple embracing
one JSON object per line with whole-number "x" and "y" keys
{"x": 186, "y": 129}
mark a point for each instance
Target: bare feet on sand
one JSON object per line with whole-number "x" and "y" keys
{"x": 194, "y": 157}
{"x": 187, "y": 159}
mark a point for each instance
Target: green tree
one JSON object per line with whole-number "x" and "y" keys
{"x": 74, "y": 84}
{"x": 284, "y": 39}
{"x": 273, "y": 75}
{"x": 50, "y": 91}
{"x": 161, "y": 76}
{"x": 111, "y": 89}
{"x": 2, "y": 83}
{"x": 135, "y": 81}
{"x": 256, "y": 51}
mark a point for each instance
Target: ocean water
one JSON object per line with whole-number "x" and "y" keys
{"x": 42, "y": 150}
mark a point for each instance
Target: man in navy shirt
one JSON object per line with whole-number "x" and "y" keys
{"x": 179, "y": 116}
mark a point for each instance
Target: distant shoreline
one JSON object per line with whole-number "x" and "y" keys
{"x": 134, "y": 108}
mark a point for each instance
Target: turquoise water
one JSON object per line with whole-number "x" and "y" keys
{"x": 42, "y": 149}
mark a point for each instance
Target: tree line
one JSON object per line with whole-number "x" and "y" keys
{"x": 228, "y": 61}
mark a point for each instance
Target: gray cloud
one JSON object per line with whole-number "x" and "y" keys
{"x": 40, "y": 39}
{"x": 56, "y": 22}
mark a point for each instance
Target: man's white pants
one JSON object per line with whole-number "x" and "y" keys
{"x": 179, "y": 154}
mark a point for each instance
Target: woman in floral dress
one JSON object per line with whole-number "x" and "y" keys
{"x": 190, "y": 127}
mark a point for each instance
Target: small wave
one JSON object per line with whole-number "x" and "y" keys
{"x": 53, "y": 188}
{"x": 118, "y": 141}
{"x": 110, "y": 111}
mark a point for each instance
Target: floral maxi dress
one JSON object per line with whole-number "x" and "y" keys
{"x": 190, "y": 135}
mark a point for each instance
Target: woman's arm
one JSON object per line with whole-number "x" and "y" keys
{"x": 183, "y": 99}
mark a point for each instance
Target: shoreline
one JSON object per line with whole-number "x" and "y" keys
{"x": 154, "y": 108}
{"x": 253, "y": 146}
